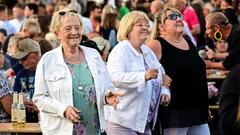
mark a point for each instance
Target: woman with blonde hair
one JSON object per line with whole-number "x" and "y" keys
{"x": 72, "y": 83}
{"x": 187, "y": 113}
{"x": 136, "y": 72}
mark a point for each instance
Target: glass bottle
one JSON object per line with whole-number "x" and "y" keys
{"x": 14, "y": 110}
{"x": 21, "y": 112}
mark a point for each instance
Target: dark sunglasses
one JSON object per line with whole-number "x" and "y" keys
{"x": 62, "y": 13}
{"x": 174, "y": 16}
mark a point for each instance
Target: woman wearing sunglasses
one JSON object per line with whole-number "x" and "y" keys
{"x": 72, "y": 83}
{"x": 187, "y": 114}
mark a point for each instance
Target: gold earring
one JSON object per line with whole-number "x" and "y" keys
{"x": 218, "y": 35}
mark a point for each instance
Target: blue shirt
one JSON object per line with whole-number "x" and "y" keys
{"x": 25, "y": 80}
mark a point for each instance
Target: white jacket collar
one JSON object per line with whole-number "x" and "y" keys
{"x": 142, "y": 47}
{"x": 60, "y": 59}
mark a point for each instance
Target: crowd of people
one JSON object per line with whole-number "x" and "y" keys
{"x": 120, "y": 67}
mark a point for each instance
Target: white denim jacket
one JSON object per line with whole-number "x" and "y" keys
{"x": 127, "y": 70}
{"x": 53, "y": 89}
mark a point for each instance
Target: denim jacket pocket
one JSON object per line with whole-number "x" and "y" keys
{"x": 55, "y": 83}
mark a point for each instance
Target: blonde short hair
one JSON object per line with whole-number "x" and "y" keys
{"x": 127, "y": 23}
{"x": 56, "y": 22}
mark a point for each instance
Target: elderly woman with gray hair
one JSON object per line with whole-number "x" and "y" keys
{"x": 72, "y": 83}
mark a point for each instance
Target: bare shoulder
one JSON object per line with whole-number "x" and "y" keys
{"x": 156, "y": 47}
{"x": 154, "y": 44}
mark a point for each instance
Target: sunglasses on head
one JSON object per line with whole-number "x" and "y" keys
{"x": 62, "y": 13}
{"x": 174, "y": 16}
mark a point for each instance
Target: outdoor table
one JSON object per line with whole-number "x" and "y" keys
{"x": 29, "y": 128}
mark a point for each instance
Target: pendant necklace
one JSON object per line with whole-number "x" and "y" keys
{"x": 80, "y": 85}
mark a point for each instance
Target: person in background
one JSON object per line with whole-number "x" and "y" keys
{"x": 52, "y": 38}
{"x": 208, "y": 8}
{"x": 6, "y": 98}
{"x": 103, "y": 46}
{"x": 156, "y": 6}
{"x": 72, "y": 83}
{"x": 187, "y": 113}
{"x": 28, "y": 53}
{"x": 31, "y": 29}
{"x": 5, "y": 95}
{"x": 221, "y": 46}
{"x": 4, "y": 23}
{"x": 220, "y": 51}
{"x": 95, "y": 17}
{"x": 11, "y": 49}
{"x": 18, "y": 16}
{"x": 31, "y": 10}
{"x": 3, "y": 33}
{"x": 44, "y": 24}
{"x": 45, "y": 46}
{"x": 227, "y": 8}
{"x": 136, "y": 72}
{"x": 229, "y": 111}
{"x": 41, "y": 9}
{"x": 109, "y": 24}
{"x": 219, "y": 28}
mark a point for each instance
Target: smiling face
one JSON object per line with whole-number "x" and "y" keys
{"x": 140, "y": 30}
{"x": 70, "y": 32}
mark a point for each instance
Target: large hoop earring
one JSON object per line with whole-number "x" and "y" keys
{"x": 218, "y": 35}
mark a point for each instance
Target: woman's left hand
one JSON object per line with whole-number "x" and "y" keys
{"x": 166, "y": 81}
{"x": 164, "y": 100}
{"x": 112, "y": 98}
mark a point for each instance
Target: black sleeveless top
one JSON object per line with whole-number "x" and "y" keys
{"x": 189, "y": 92}
{"x": 188, "y": 73}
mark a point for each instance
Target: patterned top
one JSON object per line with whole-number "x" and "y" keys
{"x": 156, "y": 91}
{"x": 84, "y": 99}
{"x": 5, "y": 89}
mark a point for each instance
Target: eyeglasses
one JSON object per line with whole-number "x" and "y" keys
{"x": 142, "y": 25}
{"x": 174, "y": 16}
{"x": 62, "y": 13}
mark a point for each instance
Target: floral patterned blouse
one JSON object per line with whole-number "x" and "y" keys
{"x": 84, "y": 99}
{"x": 156, "y": 91}
{"x": 5, "y": 89}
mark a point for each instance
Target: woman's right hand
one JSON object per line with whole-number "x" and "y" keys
{"x": 151, "y": 74}
{"x": 71, "y": 114}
